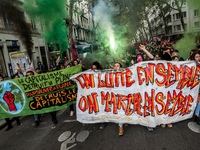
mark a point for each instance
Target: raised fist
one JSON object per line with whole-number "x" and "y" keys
{"x": 9, "y": 99}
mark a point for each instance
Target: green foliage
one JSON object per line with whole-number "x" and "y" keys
{"x": 187, "y": 43}
{"x": 194, "y": 4}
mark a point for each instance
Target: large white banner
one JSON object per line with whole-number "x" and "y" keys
{"x": 148, "y": 93}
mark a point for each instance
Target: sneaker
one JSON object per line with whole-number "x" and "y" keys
{"x": 53, "y": 127}
{"x": 71, "y": 113}
{"x": 169, "y": 125}
{"x": 150, "y": 129}
{"x": 163, "y": 125}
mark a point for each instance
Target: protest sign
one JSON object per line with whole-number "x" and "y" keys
{"x": 38, "y": 93}
{"x": 148, "y": 93}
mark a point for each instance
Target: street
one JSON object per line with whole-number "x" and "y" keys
{"x": 76, "y": 136}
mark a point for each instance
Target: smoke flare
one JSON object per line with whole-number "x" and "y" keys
{"x": 51, "y": 13}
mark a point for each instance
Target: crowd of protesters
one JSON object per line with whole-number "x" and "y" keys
{"x": 156, "y": 49}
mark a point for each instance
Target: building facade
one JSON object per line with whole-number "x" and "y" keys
{"x": 82, "y": 22}
{"x": 13, "y": 51}
{"x": 191, "y": 18}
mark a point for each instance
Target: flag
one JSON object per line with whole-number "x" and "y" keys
{"x": 74, "y": 53}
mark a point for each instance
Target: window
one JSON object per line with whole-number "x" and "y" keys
{"x": 178, "y": 16}
{"x": 3, "y": 70}
{"x": 7, "y": 21}
{"x": 184, "y": 14}
{"x": 196, "y": 24}
{"x": 196, "y": 12}
{"x": 33, "y": 25}
{"x": 169, "y": 29}
{"x": 177, "y": 28}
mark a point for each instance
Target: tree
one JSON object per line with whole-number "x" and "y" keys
{"x": 176, "y": 5}
{"x": 163, "y": 10}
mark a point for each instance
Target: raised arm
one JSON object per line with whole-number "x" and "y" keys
{"x": 142, "y": 47}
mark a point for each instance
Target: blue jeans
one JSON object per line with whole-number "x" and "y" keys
{"x": 36, "y": 117}
{"x": 197, "y": 110}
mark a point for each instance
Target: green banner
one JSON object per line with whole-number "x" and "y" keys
{"x": 38, "y": 94}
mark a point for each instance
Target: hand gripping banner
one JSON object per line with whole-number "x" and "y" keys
{"x": 148, "y": 93}
{"x": 38, "y": 93}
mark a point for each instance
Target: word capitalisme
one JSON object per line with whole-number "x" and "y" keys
{"x": 53, "y": 99}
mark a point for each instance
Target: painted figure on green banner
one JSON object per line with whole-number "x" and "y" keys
{"x": 9, "y": 98}
{"x": 12, "y": 98}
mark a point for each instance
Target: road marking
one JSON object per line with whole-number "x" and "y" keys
{"x": 194, "y": 127}
{"x": 74, "y": 120}
{"x": 82, "y": 136}
{"x": 64, "y": 136}
{"x": 67, "y": 140}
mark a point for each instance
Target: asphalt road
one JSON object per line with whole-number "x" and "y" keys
{"x": 70, "y": 134}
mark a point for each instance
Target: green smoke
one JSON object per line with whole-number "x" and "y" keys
{"x": 188, "y": 42}
{"x": 51, "y": 14}
{"x": 185, "y": 45}
{"x": 111, "y": 34}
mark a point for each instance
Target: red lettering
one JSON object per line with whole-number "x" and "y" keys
{"x": 109, "y": 80}
{"x": 129, "y": 82}
{"x": 105, "y": 97}
{"x": 140, "y": 79}
{"x": 170, "y": 75}
{"x": 149, "y": 73}
{"x": 93, "y": 103}
{"x": 161, "y": 71}
{"x": 83, "y": 104}
{"x": 88, "y": 81}
{"x": 150, "y": 106}
{"x": 159, "y": 100}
